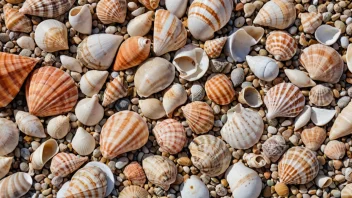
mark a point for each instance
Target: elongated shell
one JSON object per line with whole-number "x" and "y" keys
{"x": 321, "y": 95}
{"x": 13, "y": 72}
{"x": 71, "y": 63}
{"x": 150, "y": 4}
{"x": 51, "y": 36}
{"x": 298, "y": 166}
{"x": 327, "y": 35}
{"x": 46, "y": 8}
{"x": 58, "y": 127}
{"x": 92, "y": 81}
{"x": 141, "y": 25}
{"x": 303, "y": 118}
{"x": 135, "y": 173}
{"x": 284, "y": 100}
{"x": 5, "y": 165}
{"x": 313, "y": 138}
{"x": 210, "y": 155}
{"x": 274, "y": 147}
{"x": 80, "y": 19}
{"x": 250, "y": 96}
{"x": 152, "y": 108}
{"x": 213, "y": 48}
{"x": 346, "y": 191}
{"x": 9, "y": 136}
{"x": 29, "y": 124}
{"x": 16, "y": 185}
{"x": 343, "y": 124}
{"x": 169, "y": 33}
{"x": 89, "y": 111}
{"x": 115, "y": 90}
{"x": 44, "y": 153}
{"x": 263, "y": 67}
{"x": 64, "y": 164}
{"x": 178, "y": 8}
{"x": 160, "y": 171}
{"x": 335, "y": 150}
{"x": 16, "y": 21}
{"x": 199, "y": 116}
{"x": 278, "y": 14}
{"x": 133, "y": 191}
{"x": 83, "y": 142}
{"x": 311, "y": 21}
{"x": 323, "y": 63}
{"x": 194, "y": 188}
{"x": 220, "y": 89}
{"x": 111, "y": 11}
{"x": 299, "y": 78}
{"x": 281, "y": 45}
{"x": 173, "y": 98}
{"x": 124, "y": 131}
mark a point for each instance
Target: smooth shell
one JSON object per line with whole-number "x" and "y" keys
{"x": 303, "y": 118}
{"x": 51, "y": 36}
{"x": 250, "y": 96}
{"x": 80, "y": 19}
{"x": 83, "y": 142}
{"x": 29, "y": 124}
{"x": 281, "y": 45}
{"x": 173, "y": 98}
{"x": 327, "y": 34}
{"x": 263, "y": 67}
{"x": 313, "y": 137}
{"x": 299, "y": 78}
{"x": 194, "y": 188}
{"x": 321, "y": 117}
{"x": 343, "y": 124}
{"x": 9, "y": 136}
{"x": 92, "y": 81}
{"x": 71, "y": 63}
{"x": 58, "y": 127}
{"x": 349, "y": 57}
{"x": 141, "y": 25}
{"x": 178, "y": 8}
{"x": 152, "y": 108}
{"x": 323, "y": 181}
{"x": 220, "y": 89}
{"x": 89, "y": 112}
{"x": 5, "y": 165}
{"x": 346, "y": 191}
{"x": 199, "y": 116}
{"x": 44, "y": 153}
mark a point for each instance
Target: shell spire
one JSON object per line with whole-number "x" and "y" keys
{"x": 115, "y": 90}
{"x": 64, "y": 164}
{"x": 16, "y": 21}
{"x": 46, "y": 8}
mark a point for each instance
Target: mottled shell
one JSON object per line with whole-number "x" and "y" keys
{"x": 313, "y": 138}
{"x": 5, "y": 165}
{"x": 135, "y": 173}
{"x": 50, "y": 91}
{"x": 210, "y": 155}
{"x": 64, "y": 164}
{"x": 274, "y": 147}
{"x": 9, "y": 136}
{"x": 342, "y": 125}
{"x": 347, "y": 191}
{"x": 311, "y": 21}
{"x": 111, "y": 11}
{"x": 322, "y": 62}
{"x": 213, "y": 48}
{"x": 298, "y": 166}
{"x": 284, "y": 100}
{"x": 133, "y": 192}
{"x": 58, "y": 127}
{"x": 199, "y": 116}
{"x": 29, "y": 124}
{"x": 220, "y": 89}
{"x": 174, "y": 97}
{"x": 16, "y": 185}
{"x": 16, "y": 21}
{"x": 89, "y": 111}
{"x": 321, "y": 95}
{"x": 150, "y": 4}
{"x": 282, "y": 45}
{"x": 51, "y": 36}
{"x": 335, "y": 150}
{"x": 92, "y": 81}
{"x": 115, "y": 90}
{"x": 46, "y": 8}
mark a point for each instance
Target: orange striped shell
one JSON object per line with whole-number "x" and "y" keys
{"x": 46, "y": 8}
{"x": 124, "y": 131}
{"x": 135, "y": 173}
{"x": 214, "y": 47}
{"x": 335, "y": 150}
{"x": 16, "y": 21}
{"x": 313, "y": 137}
{"x": 150, "y": 4}
{"x": 311, "y": 21}
{"x": 282, "y": 45}
{"x": 13, "y": 72}
{"x": 199, "y": 116}
{"x": 220, "y": 89}
{"x": 133, "y": 192}
{"x": 111, "y": 11}
{"x": 115, "y": 90}
{"x": 50, "y": 91}
{"x": 64, "y": 164}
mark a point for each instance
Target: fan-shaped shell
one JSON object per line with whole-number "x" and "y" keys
{"x": 199, "y": 116}
{"x": 342, "y": 125}
{"x": 321, "y": 95}
{"x": 83, "y": 142}
{"x": 111, "y": 11}
{"x": 311, "y": 21}
{"x": 210, "y": 155}
{"x": 213, "y": 48}
{"x": 115, "y": 90}
{"x": 92, "y": 81}
{"x": 135, "y": 173}
{"x": 152, "y": 108}
{"x": 282, "y": 45}
{"x": 16, "y": 185}
{"x": 150, "y": 4}
{"x": 58, "y": 127}
{"x": 313, "y": 138}
{"x": 9, "y": 136}
{"x": 29, "y": 124}
{"x": 64, "y": 164}
{"x": 194, "y": 188}
{"x": 16, "y": 21}
{"x": 346, "y": 191}
{"x": 46, "y": 8}
{"x": 274, "y": 147}
{"x": 173, "y": 98}
{"x": 298, "y": 166}
{"x": 263, "y": 67}
{"x": 220, "y": 89}
{"x": 299, "y": 78}
{"x": 44, "y": 153}
{"x": 335, "y": 150}
{"x": 141, "y": 25}
{"x": 89, "y": 111}
{"x": 5, "y": 165}
{"x": 51, "y": 36}
{"x": 133, "y": 191}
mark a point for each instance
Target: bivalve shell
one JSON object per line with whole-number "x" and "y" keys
{"x": 214, "y": 47}
{"x": 342, "y": 125}
{"x": 152, "y": 108}
{"x": 274, "y": 147}
{"x": 135, "y": 173}
{"x": 133, "y": 191}
{"x": 220, "y": 89}
{"x": 80, "y": 19}
{"x": 335, "y": 150}
{"x": 327, "y": 34}
{"x": 5, "y": 165}
{"x": 311, "y": 21}
{"x": 150, "y": 4}
{"x": 83, "y": 142}
{"x": 58, "y": 127}
{"x": 313, "y": 137}
{"x": 16, "y": 21}
{"x": 281, "y": 45}
{"x": 29, "y": 124}
{"x": 250, "y": 96}
{"x": 141, "y": 25}
{"x": 92, "y": 81}
{"x": 51, "y": 36}
{"x": 115, "y": 90}
{"x": 199, "y": 116}
{"x": 44, "y": 153}
{"x": 64, "y": 164}
{"x": 321, "y": 95}
{"x": 111, "y": 11}
{"x": 46, "y": 8}
{"x": 9, "y": 136}
{"x": 173, "y": 98}
{"x": 89, "y": 111}
{"x": 281, "y": 189}
{"x": 263, "y": 67}
{"x": 299, "y": 78}
{"x": 194, "y": 188}
{"x": 16, "y": 185}
{"x": 178, "y": 8}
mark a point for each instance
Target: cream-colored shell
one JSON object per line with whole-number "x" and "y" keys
{"x": 178, "y": 8}
{"x": 44, "y": 153}
{"x": 80, "y": 19}
{"x": 152, "y": 108}
{"x": 58, "y": 127}
{"x": 173, "y": 98}
{"x": 281, "y": 45}
{"x": 71, "y": 63}
{"x": 51, "y": 36}
{"x": 343, "y": 123}
{"x": 114, "y": 90}
{"x": 303, "y": 118}
{"x": 311, "y": 21}
{"x": 250, "y": 96}
{"x": 5, "y": 165}
{"x": 323, "y": 181}
{"x": 299, "y": 78}
{"x": 321, "y": 117}
{"x": 346, "y": 191}
{"x": 255, "y": 160}
{"x": 9, "y": 136}
{"x": 89, "y": 111}
{"x": 83, "y": 142}
{"x": 335, "y": 150}
{"x": 15, "y": 185}
{"x": 133, "y": 191}
{"x": 194, "y": 188}
{"x": 349, "y": 57}
{"x": 321, "y": 95}
{"x": 274, "y": 147}
{"x": 141, "y": 25}
{"x": 92, "y": 81}
{"x": 29, "y": 124}
{"x": 313, "y": 138}
{"x": 263, "y": 67}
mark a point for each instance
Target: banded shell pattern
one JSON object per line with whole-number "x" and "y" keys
{"x": 64, "y": 164}
{"x": 17, "y": 21}
{"x": 220, "y": 89}
{"x": 281, "y": 45}
{"x": 199, "y": 116}
{"x": 135, "y": 173}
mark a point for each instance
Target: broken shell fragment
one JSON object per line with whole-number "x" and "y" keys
{"x": 303, "y": 118}
{"x": 250, "y": 96}
{"x": 321, "y": 117}
{"x": 327, "y": 34}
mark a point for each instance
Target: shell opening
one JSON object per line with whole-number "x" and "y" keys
{"x": 48, "y": 151}
{"x": 187, "y": 63}
{"x": 251, "y": 97}
{"x": 75, "y": 11}
{"x": 327, "y": 183}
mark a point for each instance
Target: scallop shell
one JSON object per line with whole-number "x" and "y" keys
{"x": 178, "y": 8}
{"x": 9, "y": 136}
{"x": 299, "y": 78}
{"x": 16, "y": 21}
{"x": 92, "y": 81}
{"x": 141, "y": 25}
{"x": 173, "y": 98}
{"x": 46, "y": 8}
{"x": 321, "y": 95}
{"x": 298, "y": 166}
{"x": 152, "y": 108}
{"x": 5, "y": 165}
{"x": 220, "y": 89}
{"x": 194, "y": 188}
{"x": 58, "y": 127}
{"x": 16, "y": 185}
{"x": 303, "y": 118}
{"x": 335, "y": 150}
{"x": 323, "y": 181}
{"x": 29, "y": 124}
{"x": 64, "y": 164}
{"x": 115, "y": 90}
{"x": 80, "y": 19}
{"x": 71, "y": 63}
{"x": 250, "y": 96}
{"x": 255, "y": 160}
{"x": 135, "y": 173}
{"x": 51, "y": 36}
{"x": 150, "y": 4}
{"x": 274, "y": 147}
{"x": 327, "y": 35}
{"x": 323, "y": 63}
{"x": 342, "y": 125}
{"x": 213, "y": 48}
{"x": 124, "y": 131}
{"x": 284, "y": 100}
{"x": 210, "y": 155}
{"x": 89, "y": 112}
{"x": 111, "y": 11}
{"x": 281, "y": 45}
{"x": 44, "y": 153}
{"x": 199, "y": 116}
{"x": 321, "y": 117}
{"x": 346, "y": 191}
{"x": 263, "y": 67}
{"x": 278, "y": 14}
{"x": 197, "y": 92}
{"x": 133, "y": 191}
{"x": 311, "y": 21}
{"x": 169, "y": 33}
{"x": 160, "y": 171}
{"x": 313, "y": 138}
{"x": 83, "y": 142}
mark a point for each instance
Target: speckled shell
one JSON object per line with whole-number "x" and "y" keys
{"x": 194, "y": 187}
{"x": 322, "y": 62}
{"x": 284, "y": 100}
{"x": 92, "y": 81}
{"x": 347, "y": 191}
{"x": 210, "y": 155}
{"x": 213, "y": 48}
{"x": 321, "y": 95}
{"x": 111, "y": 11}
{"x": 311, "y": 21}
{"x": 5, "y": 165}
{"x": 16, "y": 185}
{"x": 89, "y": 111}
{"x": 115, "y": 90}
{"x": 281, "y": 45}
{"x": 342, "y": 125}
{"x": 16, "y": 21}
{"x": 50, "y": 91}
{"x": 220, "y": 89}
{"x": 298, "y": 166}
{"x": 335, "y": 150}
{"x": 274, "y": 147}
{"x": 174, "y": 97}
{"x": 46, "y": 8}
{"x": 64, "y": 164}
{"x": 51, "y": 36}
{"x": 199, "y": 116}
{"x": 170, "y": 135}
{"x": 9, "y": 136}
{"x": 313, "y": 138}
{"x": 135, "y": 173}
{"x": 29, "y": 124}
{"x": 150, "y": 4}
{"x": 58, "y": 127}
{"x": 13, "y": 72}
{"x": 133, "y": 192}
{"x": 124, "y": 131}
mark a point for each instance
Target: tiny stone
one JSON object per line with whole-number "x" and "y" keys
{"x": 237, "y": 76}
{"x": 26, "y": 52}
{"x": 122, "y": 104}
{"x": 24, "y": 167}
{"x": 121, "y": 162}
{"x": 4, "y": 37}
{"x": 26, "y": 42}
{"x": 343, "y": 102}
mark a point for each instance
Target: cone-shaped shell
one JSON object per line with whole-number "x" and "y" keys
{"x": 58, "y": 127}
{"x": 160, "y": 171}
{"x": 46, "y": 8}
{"x": 313, "y": 138}
{"x": 278, "y": 14}
{"x": 9, "y": 136}
{"x": 311, "y": 21}
{"x": 135, "y": 173}
{"x": 335, "y": 150}
{"x": 16, "y": 21}
{"x": 71, "y": 63}
{"x": 263, "y": 67}
{"x": 250, "y": 96}
{"x": 243, "y": 128}
{"x": 50, "y": 91}
{"x": 133, "y": 192}
{"x": 115, "y": 90}
{"x": 111, "y": 11}
{"x": 16, "y": 185}
{"x": 343, "y": 124}
{"x": 177, "y": 8}
{"x": 220, "y": 89}
{"x": 141, "y": 25}
{"x": 347, "y": 191}
{"x": 213, "y": 48}
{"x": 169, "y": 33}
{"x": 299, "y": 78}
{"x": 13, "y": 72}
{"x": 80, "y": 19}
{"x": 150, "y": 4}
{"x": 5, "y": 165}
{"x": 323, "y": 63}
{"x": 64, "y": 164}
{"x": 194, "y": 188}
{"x": 284, "y": 100}
{"x": 92, "y": 81}
{"x": 199, "y": 116}
{"x": 173, "y": 98}
{"x": 44, "y": 153}
{"x": 83, "y": 142}
{"x": 282, "y": 45}
{"x": 124, "y": 131}
{"x": 51, "y": 36}
{"x": 321, "y": 95}
{"x": 29, "y": 124}
{"x": 89, "y": 111}
{"x": 152, "y": 108}
{"x": 274, "y": 147}
{"x": 132, "y": 52}
{"x": 298, "y": 166}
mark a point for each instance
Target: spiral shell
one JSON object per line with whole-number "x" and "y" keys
{"x": 44, "y": 153}
{"x": 321, "y": 95}
{"x": 115, "y": 90}
{"x": 16, "y": 185}
{"x": 58, "y": 127}
{"x": 29, "y": 124}
{"x": 150, "y": 4}
{"x": 5, "y": 165}
{"x": 311, "y": 21}
{"x": 133, "y": 191}
{"x": 46, "y": 8}
{"x": 313, "y": 138}
{"x": 199, "y": 116}
{"x": 64, "y": 164}
{"x": 111, "y": 11}
{"x": 281, "y": 45}
{"x": 274, "y": 147}
{"x": 9, "y": 136}
{"x": 51, "y": 36}
{"x": 135, "y": 173}
{"x": 220, "y": 89}
{"x": 16, "y": 21}
{"x": 335, "y": 150}
{"x": 214, "y": 47}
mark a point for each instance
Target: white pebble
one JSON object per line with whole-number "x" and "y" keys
{"x": 26, "y": 42}
{"x": 344, "y": 42}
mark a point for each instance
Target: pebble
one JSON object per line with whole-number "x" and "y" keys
{"x": 343, "y": 102}
{"x": 237, "y": 76}
{"x": 111, "y": 30}
{"x": 26, "y": 42}
{"x": 26, "y": 52}
{"x": 25, "y": 153}
{"x": 248, "y": 9}
{"x": 24, "y": 166}
{"x": 121, "y": 162}
{"x": 122, "y": 104}
{"x": 239, "y": 22}
{"x": 220, "y": 190}
{"x": 272, "y": 130}
{"x": 344, "y": 42}
{"x": 4, "y": 37}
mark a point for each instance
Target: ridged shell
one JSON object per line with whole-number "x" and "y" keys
{"x": 108, "y": 173}
{"x": 46, "y": 8}
{"x": 342, "y": 125}
{"x": 197, "y": 92}
{"x": 311, "y": 21}
{"x": 150, "y": 4}
{"x": 88, "y": 111}
{"x": 335, "y": 150}
{"x": 135, "y": 173}
{"x": 274, "y": 147}
{"x": 199, "y": 116}
{"x": 111, "y": 11}
{"x": 282, "y": 189}
{"x": 313, "y": 138}
{"x": 80, "y": 19}
{"x": 323, "y": 63}
{"x": 83, "y": 142}
{"x": 29, "y": 124}
{"x": 213, "y": 48}
{"x": 220, "y": 89}
{"x": 14, "y": 1}
{"x": 13, "y": 72}
{"x": 5, "y": 165}
{"x": 160, "y": 171}
{"x": 16, "y": 185}
{"x": 43, "y": 154}
{"x": 16, "y": 21}
{"x": 281, "y": 45}
{"x": 284, "y": 100}
{"x": 194, "y": 187}
{"x": 298, "y": 166}
{"x": 9, "y": 136}
{"x": 115, "y": 90}
{"x": 92, "y": 81}
{"x": 51, "y": 36}
{"x": 152, "y": 108}
{"x": 321, "y": 95}
{"x": 133, "y": 192}
{"x": 347, "y": 191}
{"x": 141, "y": 25}
{"x": 58, "y": 127}
{"x": 64, "y": 164}
{"x": 173, "y": 98}
{"x": 124, "y": 131}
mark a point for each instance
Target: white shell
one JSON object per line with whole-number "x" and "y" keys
{"x": 109, "y": 175}
{"x": 44, "y": 153}
{"x": 173, "y": 98}
{"x": 323, "y": 181}
{"x": 176, "y": 7}
{"x": 303, "y": 118}
{"x": 255, "y": 160}
{"x": 71, "y": 63}
{"x": 327, "y": 34}
{"x": 63, "y": 189}
{"x": 194, "y": 188}
{"x": 83, "y": 142}
{"x": 140, "y": 25}
{"x": 152, "y": 108}
{"x": 51, "y": 36}
{"x": 80, "y": 19}
{"x": 58, "y": 127}
{"x": 263, "y": 67}
{"x": 89, "y": 111}
{"x": 9, "y": 136}
{"x": 321, "y": 117}
{"x": 197, "y": 92}
{"x": 250, "y": 96}
{"x": 299, "y": 78}
{"x": 5, "y": 165}
{"x": 349, "y": 57}
{"x": 342, "y": 125}
{"x": 29, "y": 124}
{"x": 192, "y": 62}
{"x": 92, "y": 81}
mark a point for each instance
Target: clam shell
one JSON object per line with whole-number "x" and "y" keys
{"x": 255, "y": 160}
{"x": 321, "y": 95}
{"x": 346, "y": 191}
{"x": 89, "y": 111}
{"x": 51, "y": 36}
{"x": 173, "y": 98}
{"x": 16, "y": 21}
{"x": 194, "y": 188}
{"x": 311, "y": 21}
{"x": 299, "y": 78}
{"x": 342, "y": 125}
{"x": 71, "y": 63}
{"x": 5, "y": 165}
{"x": 9, "y": 136}
{"x": 220, "y": 89}
{"x": 178, "y": 8}
{"x": 83, "y": 142}
{"x": 80, "y": 19}
{"x": 349, "y": 57}
{"x": 109, "y": 175}
{"x": 197, "y": 92}
{"x": 321, "y": 117}
{"x": 135, "y": 173}
{"x": 213, "y": 48}
{"x": 313, "y": 138}
{"x": 58, "y": 127}
{"x": 263, "y": 67}
{"x": 323, "y": 181}
{"x": 44, "y": 153}
{"x": 111, "y": 11}
{"x": 250, "y": 96}
{"x": 29, "y": 124}
{"x": 335, "y": 150}
{"x": 152, "y": 108}
{"x": 281, "y": 45}
{"x": 115, "y": 90}
{"x": 141, "y": 25}
{"x": 46, "y": 8}
{"x": 92, "y": 81}
{"x": 16, "y": 185}
{"x": 303, "y": 118}
{"x": 327, "y": 34}
{"x": 150, "y": 4}
{"x": 133, "y": 191}
{"x": 274, "y": 147}
{"x": 64, "y": 164}
{"x": 199, "y": 116}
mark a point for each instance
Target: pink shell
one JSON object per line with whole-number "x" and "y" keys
{"x": 135, "y": 173}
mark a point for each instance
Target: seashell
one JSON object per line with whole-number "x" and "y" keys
{"x": 335, "y": 150}
{"x": 160, "y": 171}
{"x": 327, "y": 35}
{"x": 220, "y": 89}
{"x": 169, "y": 33}
{"x": 9, "y": 136}
{"x": 152, "y": 108}
{"x": 323, "y": 181}
{"x": 199, "y": 116}
{"x": 83, "y": 142}
{"x": 214, "y": 47}
{"x": 58, "y": 127}
{"x": 71, "y": 63}
{"x": 303, "y": 118}
{"x": 243, "y": 128}
{"x": 173, "y": 98}
{"x": 284, "y": 100}
{"x": 323, "y": 63}
{"x": 349, "y": 57}
{"x": 342, "y": 125}
{"x": 346, "y": 192}
{"x": 243, "y": 181}
{"x": 89, "y": 111}
{"x": 46, "y": 8}
{"x": 15, "y": 185}
{"x": 255, "y": 32}
{"x": 133, "y": 191}
{"x": 313, "y": 138}
{"x": 321, "y": 95}
{"x": 250, "y": 96}
{"x": 281, "y": 189}
{"x": 194, "y": 188}
{"x": 16, "y": 21}
{"x": 29, "y": 124}
{"x": 115, "y": 90}
{"x": 255, "y": 160}
{"x": 44, "y": 153}
{"x": 135, "y": 173}
{"x": 98, "y": 51}
{"x": 170, "y": 135}
{"x": 92, "y": 81}
{"x": 14, "y": 1}
{"x": 178, "y": 8}
{"x": 51, "y": 36}
{"x": 279, "y": 14}
{"x": 298, "y": 166}
{"x": 274, "y": 147}
{"x": 154, "y": 75}
{"x": 111, "y": 11}
{"x": 141, "y": 25}
{"x": 311, "y": 21}
{"x": 321, "y": 117}
{"x": 64, "y": 164}
{"x": 108, "y": 173}
{"x": 132, "y": 52}
{"x": 191, "y": 62}
{"x": 5, "y": 165}
{"x": 80, "y": 19}
{"x": 299, "y": 78}
{"x": 150, "y": 4}
{"x": 281, "y": 45}
{"x": 263, "y": 67}
{"x": 197, "y": 92}
{"x": 207, "y": 17}
{"x": 210, "y": 155}
{"x": 124, "y": 131}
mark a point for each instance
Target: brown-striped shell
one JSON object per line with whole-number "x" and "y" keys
{"x": 150, "y": 4}
{"x": 64, "y": 164}
{"x": 115, "y": 90}
{"x": 135, "y": 173}
{"x": 16, "y": 185}
{"x": 282, "y": 45}
{"x": 213, "y": 48}
{"x": 313, "y": 137}
{"x": 46, "y": 8}
{"x": 335, "y": 150}
{"x": 111, "y": 11}
{"x": 133, "y": 192}
{"x": 321, "y": 95}
{"x": 220, "y": 89}
{"x": 16, "y": 21}
{"x": 199, "y": 116}
{"x": 347, "y": 191}
{"x": 311, "y": 21}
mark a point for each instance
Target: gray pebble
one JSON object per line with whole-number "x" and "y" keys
{"x": 26, "y": 42}
{"x": 239, "y": 22}
{"x": 9, "y": 45}
{"x": 122, "y": 104}
{"x": 326, "y": 16}
{"x": 4, "y": 37}
{"x": 344, "y": 42}
{"x": 56, "y": 181}
{"x": 343, "y": 102}
{"x": 272, "y": 130}
{"x": 218, "y": 65}
{"x": 24, "y": 166}
{"x": 25, "y": 153}
{"x": 121, "y": 162}
{"x": 237, "y": 76}
{"x": 26, "y": 52}
{"x": 111, "y": 30}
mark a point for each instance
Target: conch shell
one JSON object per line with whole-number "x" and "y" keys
{"x": 89, "y": 111}
{"x": 299, "y": 78}
{"x": 44, "y": 153}
{"x": 46, "y": 8}
{"x": 282, "y": 45}
{"x": 311, "y": 21}
{"x": 51, "y": 36}
{"x": 29, "y": 124}
{"x": 173, "y": 98}
{"x": 5, "y": 165}
{"x": 152, "y": 108}
{"x": 64, "y": 164}
{"x": 16, "y": 185}
{"x": 80, "y": 19}
{"x": 83, "y": 142}
{"x": 17, "y": 21}
{"x": 92, "y": 81}
{"x": 141, "y": 25}
{"x": 343, "y": 124}
{"x": 58, "y": 127}
{"x": 214, "y": 47}
{"x": 199, "y": 116}
{"x": 263, "y": 67}
{"x": 327, "y": 34}
{"x": 111, "y": 11}
{"x": 9, "y": 136}
{"x": 115, "y": 90}
{"x": 250, "y": 96}
{"x": 220, "y": 89}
